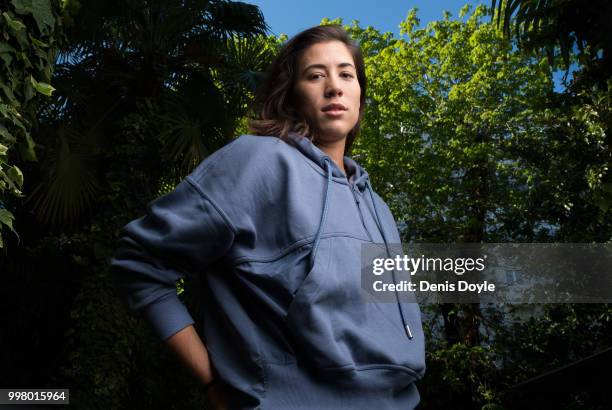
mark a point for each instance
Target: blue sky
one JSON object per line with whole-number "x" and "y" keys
{"x": 291, "y": 17}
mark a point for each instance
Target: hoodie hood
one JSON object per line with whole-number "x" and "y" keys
{"x": 355, "y": 174}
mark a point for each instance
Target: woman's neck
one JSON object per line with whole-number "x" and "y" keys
{"x": 335, "y": 150}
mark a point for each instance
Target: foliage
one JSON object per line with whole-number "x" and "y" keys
{"x": 553, "y": 338}
{"x": 457, "y": 367}
{"x": 145, "y": 90}
{"x": 100, "y": 347}
{"x": 30, "y": 34}
{"x": 468, "y": 142}
{"x": 579, "y": 31}
{"x": 185, "y": 66}
{"x": 540, "y": 24}
{"x": 452, "y": 122}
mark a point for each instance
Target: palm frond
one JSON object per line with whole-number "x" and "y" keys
{"x": 234, "y": 17}
{"x": 71, "y": 185}
{"x": 248, "y": 57}
{"x": 189, "y": 123}
{"x": 181, "y": 139}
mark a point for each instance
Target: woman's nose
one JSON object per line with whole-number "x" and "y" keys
{"x": 333, "y": 87}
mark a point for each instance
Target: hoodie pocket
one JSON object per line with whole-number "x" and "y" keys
{"x": 339, "y": 331}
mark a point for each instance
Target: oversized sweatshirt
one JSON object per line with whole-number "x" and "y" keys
{"x": 275, "y": 229}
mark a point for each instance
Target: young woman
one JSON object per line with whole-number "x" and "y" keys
{"x": 274, "y": 222}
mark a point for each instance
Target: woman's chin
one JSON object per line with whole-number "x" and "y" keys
{"x": 332, "y": 134}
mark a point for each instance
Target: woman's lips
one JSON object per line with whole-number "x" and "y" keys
{"x": 334, "y": 113}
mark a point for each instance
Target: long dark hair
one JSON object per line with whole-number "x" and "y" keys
{"x": 275, "y": 100}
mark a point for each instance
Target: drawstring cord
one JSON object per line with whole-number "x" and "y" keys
{"x": 323, "y": 215}
{"x": 317, "y": 239}
{"x": 406, "y": 325}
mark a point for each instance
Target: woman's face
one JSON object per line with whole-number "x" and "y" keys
{"x": 327, "y": 76}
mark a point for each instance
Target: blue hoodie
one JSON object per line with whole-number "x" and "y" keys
{"x": 275, "y": 229}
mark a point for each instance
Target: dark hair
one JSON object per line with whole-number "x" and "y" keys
{"x": 277, "y": 113}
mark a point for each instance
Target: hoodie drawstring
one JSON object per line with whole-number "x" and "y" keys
{"x": 399, "y": 305}
{"x": 323, "y": 215}
{"x": 317, "y": 239}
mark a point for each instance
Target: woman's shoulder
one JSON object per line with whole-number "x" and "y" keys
{"x": 242, "y": 175}
{"x": 246, "y": 154}
{"x": 243, "y": 151}
{"x": 253, "y": 144}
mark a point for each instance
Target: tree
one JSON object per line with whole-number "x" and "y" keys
{"x": 144, "y": 90}
{"x": 183, "y": 68}
{"x": 31, "y": 36}
{"x": 544, "y": 25}
{"x": 579, "y": 30}
{"x": 463, "y": 138}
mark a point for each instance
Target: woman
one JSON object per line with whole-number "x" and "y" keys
{"x": 276, "y": 221}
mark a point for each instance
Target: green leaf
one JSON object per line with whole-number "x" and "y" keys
{"x": 15, "y": 175}
{"x": 6, "y": 181}
{"x": 29, "y": 92}
{"x": 6, "y": 218}
{"x": 3, "y": 149}
{"x": 27, "y": 149}
{"x": 17, "y": 120}
{"x": 43, "y": 88}
{"x": 6, "y": 48}
{"x": 9, "y": 93}
{"x": 37, "y": 42}
{"x": 14, "y": 24}
{"x": 4, "y": 133}
{"x": 40, "y": 10}
{"x": 7, "y": 58}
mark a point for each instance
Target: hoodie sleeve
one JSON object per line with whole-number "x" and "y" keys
{"x": 181, "y": 232}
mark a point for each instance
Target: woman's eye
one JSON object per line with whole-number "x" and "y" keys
{"x": 316, "y": 76}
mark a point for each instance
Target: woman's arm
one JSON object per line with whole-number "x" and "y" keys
{"x": 181, "y": 233}
{"x": 188, "y": 346}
